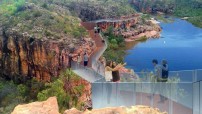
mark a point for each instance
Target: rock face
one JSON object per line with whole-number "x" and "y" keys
{"x": 119, "y": 110}
{"x": 153, "y": 6}
{"x": 49, "y": 106}
{"x": 22, "y": 55}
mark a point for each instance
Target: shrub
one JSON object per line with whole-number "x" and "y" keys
{"x": 46, "y": 22}
{"x": 67, "y": 94}
{"x": 20, "y": 8}
{"x": 48, "y": 33}
{"x": 37, "y": 14}
{"x": 45, "y": 5}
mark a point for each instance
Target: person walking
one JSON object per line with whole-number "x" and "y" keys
{"x": 85, "y": 60}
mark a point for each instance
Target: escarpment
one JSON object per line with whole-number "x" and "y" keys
{"x": 28, "y": 57}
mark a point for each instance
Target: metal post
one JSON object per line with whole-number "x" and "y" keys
{"x": 170, "y": 100}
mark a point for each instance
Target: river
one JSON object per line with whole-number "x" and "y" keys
{"x": 180, "y": 44}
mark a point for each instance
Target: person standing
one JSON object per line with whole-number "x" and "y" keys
{"x": 157, "y": 70}
{"x": 157, "y": 87}
{"x": 115, "y": 71}
{"x": 98, "y": 29}
{"x": 85, "y": 60}
{"x": 108, "y": 71}
{"x": 78, "y": 60}
{"x": 70, "y": 60}
{"x": 165, "y": 71}
{"x": 95, "y": 31}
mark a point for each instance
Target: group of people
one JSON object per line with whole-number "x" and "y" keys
{"x": 97, "y": 29}
{"x": 112, "y": 71}
{"x": 161, "y": 71}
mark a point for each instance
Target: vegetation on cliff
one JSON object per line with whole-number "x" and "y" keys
{"x": 191, "y": 9}
{"x": 89, "y": 10}
{"x": 180, "y": 8}
{"x": 39, "y": 20}
{"x": 116, "y": 46}
{"x": 13, "y": 93}
{"x": 66, "y": 91}
{"x": 66, "y": 88}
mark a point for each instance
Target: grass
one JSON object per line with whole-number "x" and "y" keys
{"x": 15, "y": 13}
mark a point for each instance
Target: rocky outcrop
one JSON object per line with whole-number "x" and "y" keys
{"x": 94, "y": 10}
{"x": 26, "y": 56}
{"x": 49, "y": 106}
{"x": 154, "y": 6}
{"x": 150, "y": 29}
{"x": 119, "y": 110}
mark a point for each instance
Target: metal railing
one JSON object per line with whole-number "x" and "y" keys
{"x": 168, "y": 97}
{"x": 96, "y": 73}
{"x": 113, "y": 20}
{"x": 181, "y": 76}
{"x": 197, "y": 97}
{"x": 181, "y": 94}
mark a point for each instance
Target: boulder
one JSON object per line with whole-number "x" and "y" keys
{"x": 49, "y": 106}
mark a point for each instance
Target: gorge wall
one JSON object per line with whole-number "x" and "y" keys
{"x": 27, "y": 57}
{"x": 154, "y": 6}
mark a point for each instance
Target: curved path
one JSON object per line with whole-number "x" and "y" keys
{"x": 95, "y": 70}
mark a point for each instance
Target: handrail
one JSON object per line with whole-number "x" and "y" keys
{"x": 118, "y": 94}
{"x": 91, "y": 74}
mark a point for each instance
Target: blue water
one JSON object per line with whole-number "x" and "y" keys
{"x": 180, "y": 44}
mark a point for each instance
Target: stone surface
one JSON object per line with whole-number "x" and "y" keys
{"x": 49, "y": 106}
{"x": 119, "y": 110}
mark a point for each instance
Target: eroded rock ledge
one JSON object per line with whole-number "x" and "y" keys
{"x": 51, "y": 107}
{"x": 119, "y": 110}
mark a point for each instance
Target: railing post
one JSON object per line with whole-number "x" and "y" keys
{"x": 134, "y": 93}
{"x": 170, "y": 100}
{"x": 200, "y": 95}
{"x": 141, "y": 95}
{"x": 195, "y": 76}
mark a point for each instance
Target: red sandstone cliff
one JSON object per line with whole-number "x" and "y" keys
{"x": 22, "y": 55}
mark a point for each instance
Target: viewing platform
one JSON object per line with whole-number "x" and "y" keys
{"x": 181, "y": 94}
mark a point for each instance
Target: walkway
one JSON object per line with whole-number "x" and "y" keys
{"x": 123, "y": 18}
{"x": 114, "y": 20}
{"x": 95, "y": 70}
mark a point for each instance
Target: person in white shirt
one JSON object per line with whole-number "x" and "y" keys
{"x": 78, "y": 60}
